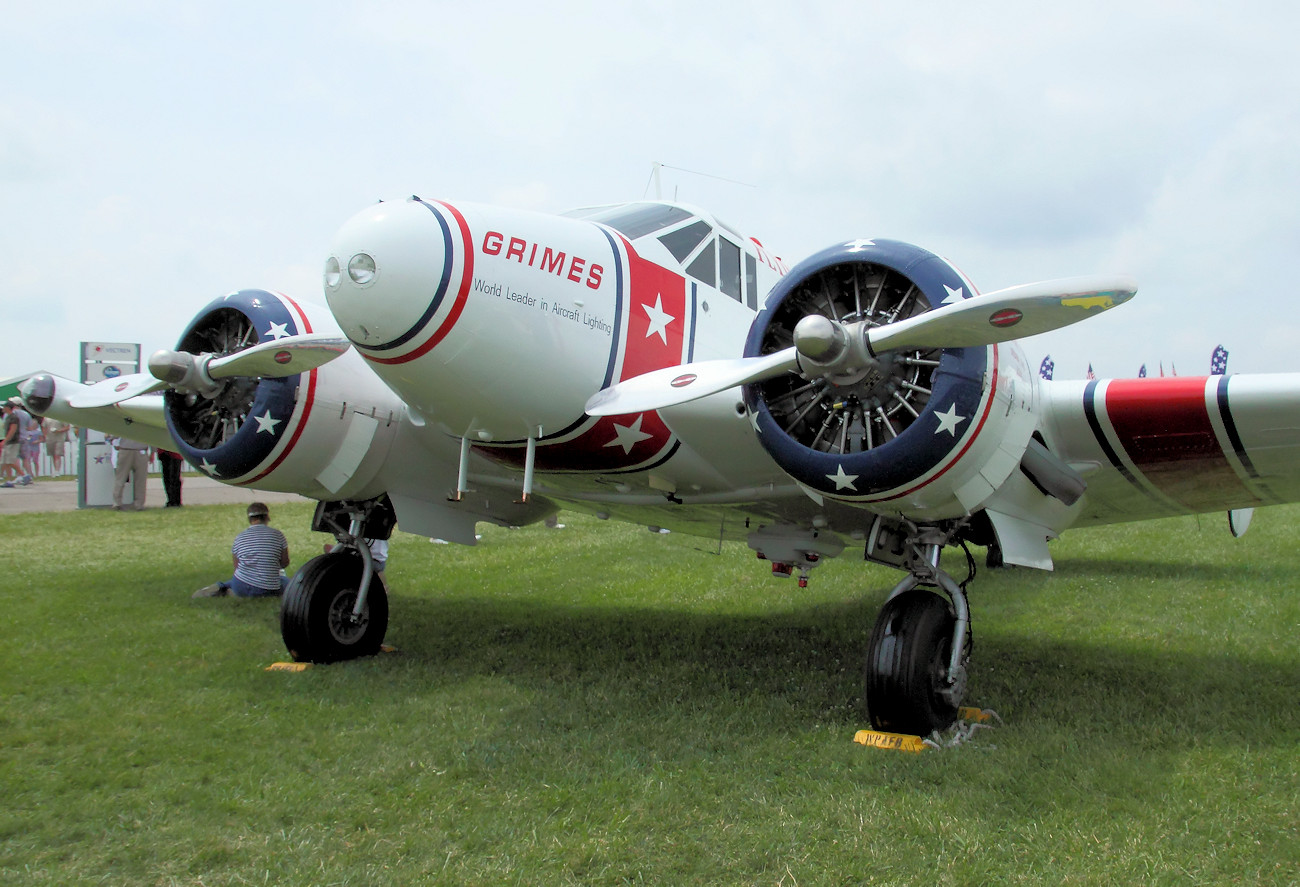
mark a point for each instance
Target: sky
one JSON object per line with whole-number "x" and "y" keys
{"x": 157, "y": 155}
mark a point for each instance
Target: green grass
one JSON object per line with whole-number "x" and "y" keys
{"x": 597, "y": 705}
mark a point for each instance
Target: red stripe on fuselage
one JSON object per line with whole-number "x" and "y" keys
{"x": 1164, "y": 427}
{"x": 462, "y": 296}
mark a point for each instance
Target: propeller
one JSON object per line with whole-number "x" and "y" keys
{"x": 844, "y": 352}
{"x": 201, "y": 372}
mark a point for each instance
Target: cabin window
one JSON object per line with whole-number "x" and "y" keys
{"x": 751, "y": 281}
{"x": 729, "y": 268}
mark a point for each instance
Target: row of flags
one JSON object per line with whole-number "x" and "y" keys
{"x": 1218, "y": 366}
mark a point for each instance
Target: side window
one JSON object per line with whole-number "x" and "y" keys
{"x": 729, "y": 268}
{"x": 751, "y": 281}
{"x": 702, "y": 269}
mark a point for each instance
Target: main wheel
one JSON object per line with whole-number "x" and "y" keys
{"x": 907, "y": 665}
{"x": 316, "y": 618}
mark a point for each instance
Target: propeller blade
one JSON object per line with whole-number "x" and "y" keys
{"x": 1013, "y": 313}
{"x": 111, "y": 391}
{"x": 282, "y": 357}
{"x": 681, "y": 384}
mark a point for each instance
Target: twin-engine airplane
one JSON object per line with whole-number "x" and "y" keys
{"x": 646, "y": 362}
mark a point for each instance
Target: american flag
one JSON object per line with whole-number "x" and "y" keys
{"x": 1219, "y": 361}
{"x": 1047, "y": 367}
{"x": 1091, "y": 374}
{"x": 1142, "y": 373}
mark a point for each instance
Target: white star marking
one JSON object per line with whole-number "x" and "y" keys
{"x": 208, "y": 468}
{"x": 842, "y": 480}
{"x": 277, "y": 331}
{"x": 859, "y": 244}
{"x": 266, "y": 423}
{"x": 948, "y": 421}
{"x": 628, "y": 436}
{"x": 753, "y": 420}
{"x": 659, "y": 319}
{"x": 954, "y": 295}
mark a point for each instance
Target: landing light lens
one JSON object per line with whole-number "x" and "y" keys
{"x": 332, "y": 272}
{"x": 361, "y": 268}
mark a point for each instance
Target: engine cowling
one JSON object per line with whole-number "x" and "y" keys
{"x": 322, "y": 432}
{"x": 926, "y": 433}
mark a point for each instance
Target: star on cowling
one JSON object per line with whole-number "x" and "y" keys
{"x": 277, "y": 331}
{"x": 948, "y": 421}
{"x": 266, "y": 423}
{"x": 857, "y": 246}
{"x": 208, "y": 468}
{"x": 842, "y": 480}
{"x": 954, "y": 295}
{"x": 628, "y": 436}
{"x": 659, "y": 319}
{"x": 753, "y": 420}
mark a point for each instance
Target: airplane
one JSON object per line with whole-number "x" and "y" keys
{"x": 647, "y": 362}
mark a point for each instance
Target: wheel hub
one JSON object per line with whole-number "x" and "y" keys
{"x": 344, "y": 626}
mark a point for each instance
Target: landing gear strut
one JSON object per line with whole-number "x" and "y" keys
{"x": 919, "y": 650}
{"x": 336, "y": 605}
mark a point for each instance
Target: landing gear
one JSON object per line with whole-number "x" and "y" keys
{"x": 907, "y": 665}
{"x": 336, "y": 606}
{"x": 919, "y": 650}
{"x": 318, "y": 618}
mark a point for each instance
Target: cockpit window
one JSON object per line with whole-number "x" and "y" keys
{"x": 682, "y": 242}
{"x": 637, "y": 219}
{"x": 703, "y": 268}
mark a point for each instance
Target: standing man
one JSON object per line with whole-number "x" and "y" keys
{"x": 170, "y": 464}
{"x": 132, "y": 465}
{"x": 56, "y": 438}
{"x": 259, "y": 554}
{"x": 14, "y": 417}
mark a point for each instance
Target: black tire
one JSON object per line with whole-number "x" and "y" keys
{"x": 315, "y": 616}
{"x": 907, "y": 664}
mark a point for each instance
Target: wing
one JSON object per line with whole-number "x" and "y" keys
{"x": 1157, "y": 447}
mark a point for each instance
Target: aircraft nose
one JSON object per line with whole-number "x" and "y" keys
{"x": 387, "y": 274}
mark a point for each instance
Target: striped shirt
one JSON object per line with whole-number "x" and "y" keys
{"x": 260, "y": 548}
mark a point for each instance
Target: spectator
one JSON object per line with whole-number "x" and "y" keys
{"x": 259, "y": 554}
{"x": 14, "y": 418}
{"x": 171, "y": 464}
{"x": 132, "y": 465}
{"x": 56, "y": 438}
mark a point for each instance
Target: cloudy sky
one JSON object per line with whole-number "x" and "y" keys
{"x": 155, "y": 155}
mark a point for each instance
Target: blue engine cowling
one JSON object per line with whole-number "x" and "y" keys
{"x": 889, "y": 432}
{"x": 234, "y": 433}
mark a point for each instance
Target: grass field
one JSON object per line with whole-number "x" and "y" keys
{"x": 598, "y": 705}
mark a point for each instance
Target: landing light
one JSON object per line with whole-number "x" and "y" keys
{"x": 332, "y": 272}
{"x": 361, "y": 268}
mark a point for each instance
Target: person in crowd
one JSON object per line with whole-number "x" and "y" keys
{"x": 56, "y": 439}
{"x": 31, "y": 437}
{"x": 132, "y": 466}
{"x": 14, "y": 419}
{"x": 171, "y": 465}
{"x": 260, "y": 553}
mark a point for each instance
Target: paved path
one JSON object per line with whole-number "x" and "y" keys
{"x": 61, "y": 495}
